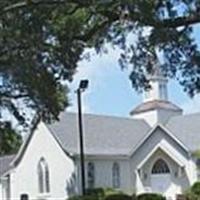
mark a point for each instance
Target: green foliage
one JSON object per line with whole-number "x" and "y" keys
{"x": 196, "y": 188}
{"x": 86, "y": 197}
{"x": 10, "y": 141}
{"x": 41, "y": 43}
{"x": 196, "y": 154}
{"x": 194, "y": 192}
{"x": 111, "y": 194}
{"x": 150, "y": 196}
{"x": 118, "y": 197}
{"x": 111, "y": 191}
{"x": 96, "y": 193}
{"x": 100, "y": 194}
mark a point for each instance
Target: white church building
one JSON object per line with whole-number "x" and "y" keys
{"x": 151, "y": 151}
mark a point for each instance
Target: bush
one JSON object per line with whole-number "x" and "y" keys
{"x": 150, "y": 196}
{"x": 103, "y": 194}
{"x": 134, "y": 197}
{"x": 118, "y": 197}
{"x": 99, "y": 193}
{"x": 86, "y": 197}
{"x": 196, "y": 188}
{"x": 194, "y": 192}
{"x": 95, "y": 194}
{"x": 111, "y": 191}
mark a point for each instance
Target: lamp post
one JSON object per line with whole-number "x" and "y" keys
{"x": 82, "y": 87}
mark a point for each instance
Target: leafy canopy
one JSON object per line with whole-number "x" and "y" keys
{"x": 41, "y": 42}
{"x": 10, "y": 142}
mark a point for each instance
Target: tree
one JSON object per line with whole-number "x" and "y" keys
{"x": 41, "y": 42}
{"x": 10, "y": 141}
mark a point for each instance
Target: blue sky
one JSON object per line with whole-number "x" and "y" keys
{"x": 110, "y": 91}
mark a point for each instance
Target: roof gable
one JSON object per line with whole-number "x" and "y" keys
{"x": 19, "y": 156}
{"x": 165, "y": 131}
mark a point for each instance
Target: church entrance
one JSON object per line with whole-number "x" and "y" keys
{"x": 160, "y": 177}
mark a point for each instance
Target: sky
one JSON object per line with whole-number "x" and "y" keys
{"x": 110, "y": 92}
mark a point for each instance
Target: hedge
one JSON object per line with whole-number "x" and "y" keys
{"x": 196, "y": 188}
{"x": 118, "y": 197}
{"x": 150, "y": 196}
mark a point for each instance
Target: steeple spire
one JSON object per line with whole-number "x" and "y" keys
{"x": 155, "y": 107}
{"x": 158, "y": 83}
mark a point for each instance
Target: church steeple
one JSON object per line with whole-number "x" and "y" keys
{"x": 155, "y": 107}
{"x": 158, "y": 82}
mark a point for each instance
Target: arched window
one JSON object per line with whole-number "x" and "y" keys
{"x": 43, "y": 176}
{"x": 160, "y": 167}
{"x": 116, "y": 175}
{"x": 91, "y": 175}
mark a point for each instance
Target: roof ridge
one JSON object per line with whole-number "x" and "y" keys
{"x": 105, "y": 116}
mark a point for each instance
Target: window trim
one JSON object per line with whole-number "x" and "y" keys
{"x": 90, "y": 175}
{"x": 160, "y": 166}
{"x": 43, "y": 177}
{"x": 116, "y": 182}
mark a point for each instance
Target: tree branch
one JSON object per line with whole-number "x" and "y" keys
{"x": 178, "y": 22}
{"x": 24, "y": 4}
{"x": 14, "y": 96}
{"x": 166, "y": 23}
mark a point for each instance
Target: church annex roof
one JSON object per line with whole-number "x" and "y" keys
{"x": 187, "y": 129}
{"x": 155, "y": 104}
{"x": 103, "y": 135}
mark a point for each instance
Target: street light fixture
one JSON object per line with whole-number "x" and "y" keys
{"x": 82, "y": 87}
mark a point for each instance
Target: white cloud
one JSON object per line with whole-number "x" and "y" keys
{"x": 96, "y": 71}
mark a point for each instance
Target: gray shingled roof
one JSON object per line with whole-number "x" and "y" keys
{"x": 155, "y": 104}
{"x": 5, "y": 163}
{"x": 104, "y": 135}
{"x": 187, "y": 129}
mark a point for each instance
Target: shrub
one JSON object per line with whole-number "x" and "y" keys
{"x": 194, "y": 192}
{"x": 102, "y": 194}
{"x": 134, "y": 197}
{"x": 150, "y": 196}
{"x": 85, "y": 197}
{"x": 98, "y": 193}
{"x": 118, "y": 197}
{"x": 111, "y": 191}
{"x": 196, "y": 188}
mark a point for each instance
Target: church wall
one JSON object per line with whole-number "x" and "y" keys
{"x": 103, "y": 173}
{"x": 156, "y": 116}
{"x": 150, "y": 117}
{"x": 24, "y": 179}
{"x": 1, "y": 192}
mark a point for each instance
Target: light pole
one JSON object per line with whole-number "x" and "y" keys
{"x": 82, "y": 87}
